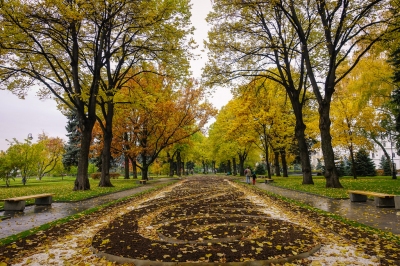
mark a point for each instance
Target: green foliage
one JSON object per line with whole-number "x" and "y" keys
{"x": 71, "y": 155}
{"x": 62, "y": 188}
{"x": 385, "y": 165}
{"x": 364, "y": 164}
{"x": 260, "y": 170}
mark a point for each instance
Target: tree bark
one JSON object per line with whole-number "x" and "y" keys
{"x": 178, "y": 163}
{"x": 331, "y": 173}
{"x": 284, "y": 163}
{"x": 134, "y": 168}
{"x": 353, "y": 162}
{"x": 229, "y": 167}
{"x": 234, "y": 166}
{"x": 126, "y": 167}
{"x": 276, "y": 163}
{"x": 106, "y": 153}
{"x": 301, "y": 141}
{"x": 82, "y": 180}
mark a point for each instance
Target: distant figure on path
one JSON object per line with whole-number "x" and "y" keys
{"x": 247, "y": 173}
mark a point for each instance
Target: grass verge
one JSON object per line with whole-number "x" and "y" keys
{"x": 13, "y": 238}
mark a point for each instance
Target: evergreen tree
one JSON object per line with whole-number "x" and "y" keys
{"x": 260, "y": 169}
{"x": 71, "y": 155}
{"x": 385, "y": 165}
{"x": 364, "y": 164}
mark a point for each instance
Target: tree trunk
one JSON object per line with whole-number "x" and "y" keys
{"x": 229, "y": 167}
{"x": 301, "y": 141}
{"x": 241, "y": 164}
{"x": 82, "y": 180}
{"x": 276, "y": 163}
{"x": 178, "y": 163}
{"x": 234, "y": 166}
{"x": 134, "y": 168}
{"x": 213, "y": 167}
{"x": 331, "y": 173}
{"x": 106, "y": 153}
{"x": 126, "y": 157}
{"x": 391, "y": 164}
{"x": 284, "y": 163}
{"x": 353, "y": 162}
{"x": 126, "y": 167}
{"x": 267, "y": 164}
{"x": 204, "y": 166}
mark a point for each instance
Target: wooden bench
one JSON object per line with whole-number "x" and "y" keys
{"x": 142, "y": 181}
{"x": 268, "y": 180}
{"x": 18, "y": 203}
{"x": 381, "y": 199}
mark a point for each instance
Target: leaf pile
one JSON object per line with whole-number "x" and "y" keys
{"x": 202, "y": 220}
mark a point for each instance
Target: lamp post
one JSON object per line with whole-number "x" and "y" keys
{"x": 393, "y": 165}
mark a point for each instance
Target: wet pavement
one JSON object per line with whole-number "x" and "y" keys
{"x": 34, "y": 216}
{"x": 386, "y": 219}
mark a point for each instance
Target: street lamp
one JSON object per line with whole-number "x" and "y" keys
{"x": 393, "y": 165}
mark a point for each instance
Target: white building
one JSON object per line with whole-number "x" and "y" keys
{"x": 390, "y": 148}
{"x": 375, "y": 155}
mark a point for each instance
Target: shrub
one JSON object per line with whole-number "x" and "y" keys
{"x": 97, "y": 175}
{"x": 114, "y": 175}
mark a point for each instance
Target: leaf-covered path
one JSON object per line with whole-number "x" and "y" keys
{"x": 204, "y": 219}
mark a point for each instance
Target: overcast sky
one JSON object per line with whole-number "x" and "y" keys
{"x": 18, "y": 117}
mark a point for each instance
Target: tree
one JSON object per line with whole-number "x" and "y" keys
{"x": 72, "y": 50}
{"x": 364, "y": 165}
{"x": 23, "y": 157}
{"x": 385, "y": 165}
{"x": 50, "y": 154}
{"x": 160, "y": 115}
{"x": 316, "y": 37}
{"x": 71, "y": 154}
{"x": 8, "y": 168}
{"x": 248, "y": 38}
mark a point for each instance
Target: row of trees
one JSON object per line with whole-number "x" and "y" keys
{"x": 89, "y": 54}
{"x": 308, "y": 47}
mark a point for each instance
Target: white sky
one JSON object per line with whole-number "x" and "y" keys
{"x": 18, "y": 117}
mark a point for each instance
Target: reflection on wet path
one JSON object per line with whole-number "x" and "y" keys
{"x": 34, "y": 216}
{"x": 387, "y": 219}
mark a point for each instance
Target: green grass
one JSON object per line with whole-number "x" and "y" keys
{"x": 13, "y": 238}
{"x": 62, "y": 188}
{"x": 383, "y": 184}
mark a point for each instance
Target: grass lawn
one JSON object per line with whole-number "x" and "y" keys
{"x": 62, "y": 188}
{"x": 384, "y": 184}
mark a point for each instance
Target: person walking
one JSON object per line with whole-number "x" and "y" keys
{"x": 247, "y": 173}
{"x": 254, "y": 176}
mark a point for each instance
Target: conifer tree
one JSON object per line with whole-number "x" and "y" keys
{"x": 363, "y": 164}
{"x": 385, "y": 165}
{"x": 71, "y": 155}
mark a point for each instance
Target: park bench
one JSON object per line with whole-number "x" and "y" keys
{"x": 18, "y": 203}
{"x": 268, "y": 180}
{"x": 381, "y": 199}
{"x": 142, "y": 181}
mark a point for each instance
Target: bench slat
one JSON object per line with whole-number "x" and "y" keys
{"x": 369, "y": 193}
{"x": 29, "y": 197}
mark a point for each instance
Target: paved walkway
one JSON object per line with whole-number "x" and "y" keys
{"x": 387, "y": 219}
{"x": 34, "y": 216}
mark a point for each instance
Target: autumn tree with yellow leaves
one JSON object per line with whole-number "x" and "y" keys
{"x": 156, "y": 115}
{"x": 79, "y": 52}
{"x": 307, "y": 41}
